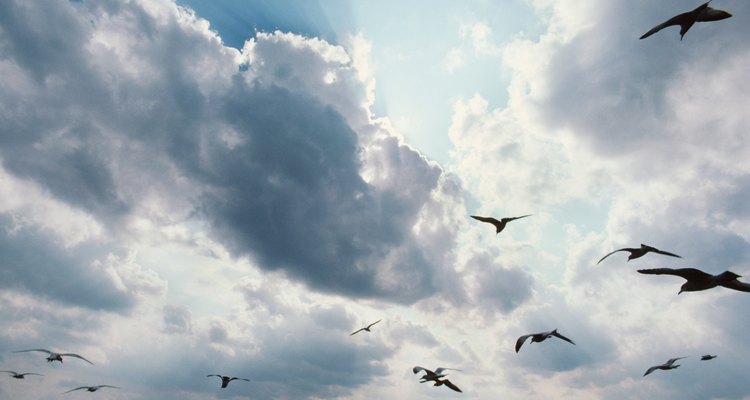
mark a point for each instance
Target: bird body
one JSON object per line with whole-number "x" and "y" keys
{"x": 225, "y": 379}
{"x": 640, "y": 252}
{"x": 667, "y": 365}
{"x": 540, "y": 337}
{"x": 499, "y": 224}
{"x": 698, "y": 280}
{"x": 702, "y": 13}
{"x": 367, "y": 328}
{"x": 55, "y": 356}
{"x": 707, "y": 357}
{"x": 14, "y": 374}
{"x": 92, "y": 388}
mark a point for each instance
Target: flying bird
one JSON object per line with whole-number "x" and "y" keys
{"x": 640, "y": 252}
{"x": 56, "y": 356}
{"x": 225, "y": 379}
{"x": 703, "y": 13}
{"x": 367, "y": 328}
{"x": 14, "y": 374}
{"x": 707, "y": 357}
{"x": 499, "y": 225}
{"x": 540, "y": 337}
{"x": 698, "y": 280}
{"x": 436, "y": 377}
{"x": 91, "y": 388}
{"x": 667, "y": 365}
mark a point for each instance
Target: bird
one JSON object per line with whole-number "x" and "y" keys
{"x": 367, "y": 328}
{"x": 435, "y": 376}
{"x": 707, "y": 357}
{"x": 225, "y": 379}
{"x": 14, "y": 374}
{"x": 499, "y": 225}
{"x": 640, "y": 252}
{"x": 698, "y": 280}
{"x": 91, "y": 388}
{"x": 703, "y": 13}
{"x": 540, "y": 337}
{"x": 667, "y": 365}
{"x": 56, "y": 356}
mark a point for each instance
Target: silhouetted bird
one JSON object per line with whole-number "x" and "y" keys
{"x": 499, "y": 225}
{"x": 436, "y": 377}
{"x": 640, "y": 252}
{"x": 225, "y": 379}
{"x": 707, "y": 357}
{"x": 367, "y": 328}
{"x": 540, "y": 337}
{"x": 698, "y": 280}
{"x": 703, "y": 13}
{"x": 91, "y": 388}
{"x": 14, "y": 374}
{"x": 56, "y": 356}
{"x": 665, "y": 366}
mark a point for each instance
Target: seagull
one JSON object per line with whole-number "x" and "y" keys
{"x": 56, "y": 356}
{"x": 640, "y": 252}
{"x": 499, "y": 225}
{"x": 667, "y": 365}
{"x": 14, "y": 374}
{"x": 91, "y": 388}
{"x": 707, "y": 357}
{"x": 366, "y": 328}
{"x": 540, "y": 337}
{"x": 432, "y": 375}
{"x": 686, "y": 20}
{"x": 225, "y": 379}
{"x": 698, "y": 280}
{"x": 435, "y": 376}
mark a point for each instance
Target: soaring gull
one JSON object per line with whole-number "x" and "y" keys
{"x": 225, "y": 379}
{"x": 367, "y": 328}
{"x": 56, "y": 356}
{"x": 698, "y": 280}
{"x": 667, "y": 365}
{"x": 499, "y": 225}
{"x": 639, "y": 252}
{"x": 686, "y": 20}
{"x": 540, "y": 337}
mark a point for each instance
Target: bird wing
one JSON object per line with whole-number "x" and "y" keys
{"x": 239, "y": 379}
{"x": 712, "y": 14}
{"x": 357, "y": 331}
{"x": 520, "y": 341}
{"x": 490, "y": 220}
{"x": 686, "y": 273}
{"x": 42, "y": 350}
{"x": 370, "y": 326}
{"x": 666, "y": 253}
{"x": 10, "y": 372}
{"x": 737, "y": 285}
{"x": 78, "y": 388}
{"x": 214, "y": 375}
{"x": 602, "y": 259}
{"x": 652, "y": 369}
{"x": 440, "y": 370}
{"x": 554, "y": 333}
{"x": 417, "y": 369}
{"x": 672, "y": 360}
{"x": 76, "y": 356}
{"x": 515, "y": 218}
{"x": 109, "y": 386}
{"x": 676, "y": 20}
{"x": 451, "y": 385}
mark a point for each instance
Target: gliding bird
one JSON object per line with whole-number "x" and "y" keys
{"x": 435, "y": 376}
{"x": 55, "y": 356}
{"x": 707, "y": 357}
{"x": 540, "y": 337}
{"x": 91, "y": 388}
{"x": 367, "y": 328}
{"x": 499, "y": 225}
{"x": 667, "y": 365}
{"x": 639, "y": 252}
{"x": 14, "y": 374}
{"x": 225, "y": 379}
{"x": 703, "y": 13}
{"x": 698, "y": 280}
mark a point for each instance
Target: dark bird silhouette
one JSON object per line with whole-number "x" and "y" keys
{"x": 499, "y": 225}
{"x": 703, "y": 13}
{"x": 367, "y": 328}
{"x": 667, "y": 365}
{"x": 56, "y": 356}
{"x": 639, "y": 252}
{"x": 14, "y": 374}
{"x": 540, "y": 337}
{"x": 225, "y": 379}
{"x": 436, "y": 377}
{"x": 698, "y": 280}
{"x": 707, "y": 357}
{"x": 91, "y": 388}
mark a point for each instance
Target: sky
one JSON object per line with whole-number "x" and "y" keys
{"x": 231, "y": 187}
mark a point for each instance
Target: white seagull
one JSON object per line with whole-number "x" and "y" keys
{"x": 14, "y": 374}
{"x": 540, "y": 337}
{"x": 225, "y": 379}
{"x": 698, "y": 280}
{"x": 686, "y": 20}
{"x": 91, "y": 388}
{"x": 667, "y": 365}
{"x": 55, "y": 356}
{"x": 367, "y": 328}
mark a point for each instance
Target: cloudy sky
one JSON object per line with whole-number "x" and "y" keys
{"x": 233, "y": 187}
